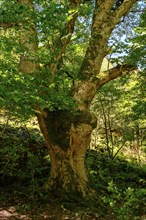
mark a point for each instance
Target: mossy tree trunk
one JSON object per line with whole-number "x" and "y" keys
{"x": 68, "y": 138}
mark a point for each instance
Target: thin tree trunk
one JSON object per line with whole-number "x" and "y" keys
{"x": 106, "y": 131}
{"x": 137, "y": 143}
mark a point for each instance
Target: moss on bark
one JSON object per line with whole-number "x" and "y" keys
{"x": 59, "y": 124}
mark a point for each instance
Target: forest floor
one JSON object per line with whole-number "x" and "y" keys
{"x": 52, "y": 212}
{"x": 14, "y": 207}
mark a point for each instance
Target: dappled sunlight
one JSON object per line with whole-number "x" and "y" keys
{"x": 11, "y": 213}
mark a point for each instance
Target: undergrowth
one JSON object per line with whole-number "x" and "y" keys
{"x": 24, "y": 168}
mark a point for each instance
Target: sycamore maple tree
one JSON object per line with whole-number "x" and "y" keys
{"x": 52, "y": 52}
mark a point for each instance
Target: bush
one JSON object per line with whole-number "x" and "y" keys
{"x": 22, "y": 156}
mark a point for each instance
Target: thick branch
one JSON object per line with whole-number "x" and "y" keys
{"x": 86, "y": 90}
{"x": 123, "y": 10}
{"x": 63, "y": 40}
{"x": 100, "y": 33}
{"x": 114, "y": 73}
{"x": 102, "y": 10}
{"x": 70, "y": 23}
{"x": 104, "y": 21}
{"x": 28, "y": 40}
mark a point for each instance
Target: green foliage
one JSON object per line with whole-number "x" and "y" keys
{"x": 137, "y": 50}
{"x": 122, "y": 188}
{"x": 24, "y": 91}
{"x": 132, "y": 202}
{"x": 131, "y": 32}
{"x": 20, "y": 92}
{"x": 12, "y": 12}
{"x": 120, "y": 109}
{"x": 22, "y": 159}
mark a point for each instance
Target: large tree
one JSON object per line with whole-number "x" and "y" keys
{"x": 55, "y": 53}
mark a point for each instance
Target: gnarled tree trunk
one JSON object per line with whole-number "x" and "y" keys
{"x": 68, "y": 138}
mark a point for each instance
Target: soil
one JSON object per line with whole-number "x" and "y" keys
{"x": 52, "y": 212}
{"x": 16, "y": 208}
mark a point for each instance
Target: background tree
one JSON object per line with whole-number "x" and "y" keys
{"x": 120, "y": 105}
{"x": 51, "y": 69}
{"x": 120, "y": 110}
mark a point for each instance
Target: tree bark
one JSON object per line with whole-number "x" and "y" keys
{"x": 68, "y": 138}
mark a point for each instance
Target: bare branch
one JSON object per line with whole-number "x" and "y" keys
{"x": 114, "y": 73}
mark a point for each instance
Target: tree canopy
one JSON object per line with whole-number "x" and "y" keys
{"x": 64, "y": 34}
